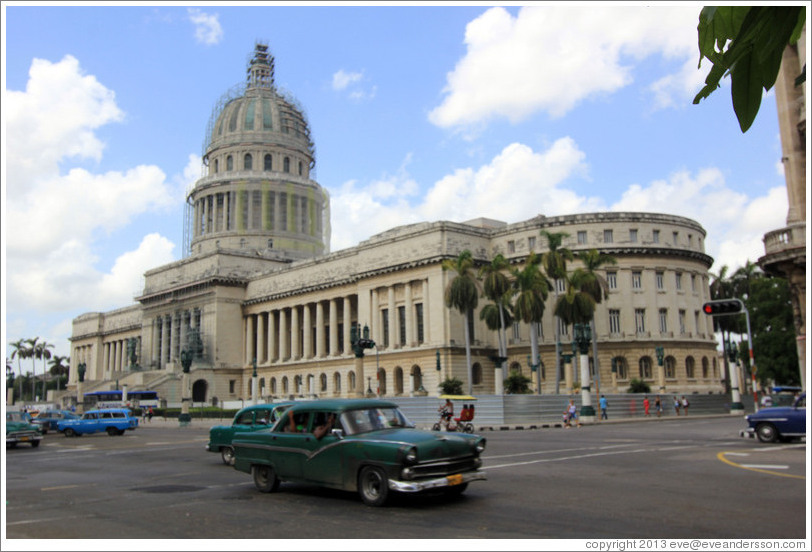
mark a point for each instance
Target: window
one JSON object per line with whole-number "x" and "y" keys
{"x": 581, "y": 237}
{"x": 301, "y": 168}
{"x": 323, "y": 383}
{"x": 693, "y": 282}
{"x": 655, "y": 236}
{"x": 511, "y": 246}
{"x": 231, "y": 385}
{"x": 402, "y": 325}
{"x": 637, "y": 279}
{"x": 531, "y": 243}
{"x": 670, "y": 366}
{"x": 614, "y": 321}
{"x": 682, "y": 321}
{"x": 633, "y": 235}
{"x": 248, "y": 162}
{"x": 611, "y": 280}
{"x": 286, "y": 165}
{"x": 561, "y": 285}
{"x": 658, "y": 277}
{"x": 516, "y": 331}
{"x": 268, "y": 162}
{"x": 229, "y": 163}
{"x": 622, "y": 368}
{"x": 696, "y": 321}
{"x": 640, "y": 320}
{"x": 679, "y": 280}
{"x": 563, "y": 328}
{"x": 663, "y": 320}
{"x": 608, "y": 236}
{"x": 419, "y": 315}
{"x": 476, "y": 373}
{"x": 676, "y": 237}
{"x": 216, "y": 166}
{"x": 690, "y": 367}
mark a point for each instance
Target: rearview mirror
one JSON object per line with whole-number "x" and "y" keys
{"x": 338, "y": 433}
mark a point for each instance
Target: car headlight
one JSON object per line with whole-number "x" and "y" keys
{"x": 480, "y": 446}
{"x": 411, "y": 456}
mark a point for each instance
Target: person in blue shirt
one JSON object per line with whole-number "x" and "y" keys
{"x": 604, "y": 405}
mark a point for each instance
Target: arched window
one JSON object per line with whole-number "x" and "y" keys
{"x": 417, "y": 377}
{"x": 352, "y": 381}
{"x": 248, "y": 162}
{"x": 216, "y": 166}
{"x": 690, "y": 367}
{"x": 285, "y": 385}
{"x": 286, "y": 165}
{"x": 323, "y": 382}
{"x": 476, "y": 373}
{"x": 261, "y": 386}
{"x": 704, "y": 365}
{"x": 273, "y": 386}
{"x": 622, "y": 366}
{"x": 670, "y": 367}
{"x": 645, "y": 368}
{"x": 268, "y": 163}
{"x": 336, "y": 383}
{"x": 381, "y": 382}
{"x": 297, "y": 384}
{"x": 300, "y": 168}
{"x": 398, "y": 380}
{"x": 229, "y": 163}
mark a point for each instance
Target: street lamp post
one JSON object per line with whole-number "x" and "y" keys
{"x": 186, "y": 363}
{"x": 736, "y": 405}
{"x": 660, "y": 352}
{"x": 583, "y": 336}
{"x": 80, "y": 397}
{"x": 358, "y": 344}
{"x": 254, "y": 383}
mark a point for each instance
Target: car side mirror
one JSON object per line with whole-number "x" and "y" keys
{"x": 338, "y": 433}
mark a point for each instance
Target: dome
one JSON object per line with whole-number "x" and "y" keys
{"x": 257, "y": 112}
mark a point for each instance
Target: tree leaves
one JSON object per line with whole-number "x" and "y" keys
{"x": 747, "y": 43}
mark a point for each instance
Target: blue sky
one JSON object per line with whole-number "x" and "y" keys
{"x": 417, "y": 113}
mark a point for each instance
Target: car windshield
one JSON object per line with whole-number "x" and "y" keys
{"x": 14, "y": 417}
{"x": 373, "y": 419}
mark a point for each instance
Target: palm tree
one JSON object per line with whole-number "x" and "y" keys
{"x": 555, "y": 265}
{"x": 721, "y": 287}
{"x": 462, "y": 293}
{"x": 598, "y": 288}
{"x": 577, "y": 306}
{"x": 43, "y": 353}
{"x": 532, "y": 288}
{"x": 59, "y": 367}
{"x": 18, "y": 353}
{"x": 496, "y": 286}
{"x": 742, "y": 278}
{"x": 31, "y": 352}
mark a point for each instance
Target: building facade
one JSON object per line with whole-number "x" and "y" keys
{"x": 785, "y": 248}
{"x": 260, "y": 291}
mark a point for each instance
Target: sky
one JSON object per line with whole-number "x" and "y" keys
{"x": 418, "y": 113}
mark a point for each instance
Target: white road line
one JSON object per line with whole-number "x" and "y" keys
{"x": 764, "y": 466}
{"x": 562, "y": 459}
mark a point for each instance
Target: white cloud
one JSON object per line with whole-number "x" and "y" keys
{"x": 352, "y": 84}
{"x": 207, "y": 26}
{"x": 553, "y": 57}
{"x": 56, "y": 220}
{"x": 735, "y": 223}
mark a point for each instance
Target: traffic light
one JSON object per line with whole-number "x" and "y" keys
{"x": 722, "y": 307}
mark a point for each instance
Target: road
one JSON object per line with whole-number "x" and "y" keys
{"x": 675, "y": 478}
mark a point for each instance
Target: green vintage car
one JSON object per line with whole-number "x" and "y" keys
{"x": 361, "y": 445}
{"x": 250, "y": 418}
{"x": 19, "y": 430}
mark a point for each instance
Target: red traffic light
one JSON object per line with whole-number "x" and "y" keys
{"x": 723, "y": 307}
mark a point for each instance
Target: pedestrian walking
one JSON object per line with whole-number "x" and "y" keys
{"x": 150, "y": 414}
{"x": 646, "y": 405}
{"x": 676, "y": 405}
{"x": 658, "y": 406}
{"x": 685, "y": 405}
{"x": 604, "y": 405}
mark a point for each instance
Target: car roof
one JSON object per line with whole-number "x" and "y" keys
{"x": 264, "y": 405}
{"x": 108, "y": 410}
{"x": 342, "y": 405}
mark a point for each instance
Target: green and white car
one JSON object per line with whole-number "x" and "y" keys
{"x": 361, "y": 445}
{"x": 19, "y": 430}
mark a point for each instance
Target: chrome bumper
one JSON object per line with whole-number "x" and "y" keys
{"x": 422, "y": 485}
{"x": 749, "y": 432}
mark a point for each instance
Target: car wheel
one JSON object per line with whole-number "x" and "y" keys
{"x": 70, "y": 432}
{"x": 766, "y": 433}
{"x": 435, "y": 427}
{"x": 121, "y": 431}
{"x": 265, "y": 478}
{"x": 227, "y": 454}
{"x": 35, "y": 444}
{"x": 469, "y": 428}
{"x": 111, "y": 431}
{"x": 373, "y": 485}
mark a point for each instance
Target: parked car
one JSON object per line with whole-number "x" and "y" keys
{"x": 250, "y": 418}
{"x": 115, "y": 421}
{"x": 47, "y": 419}
{"x": 362, "y": 445}
{"x": 778, "y": 422}
{"x": 19, "y": 430}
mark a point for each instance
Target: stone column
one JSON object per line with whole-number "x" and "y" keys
{"x": 308, "y": 335}
{"x": 347, "y": 315}
{"x": 426, "y": 312}
{"x": 333, "y": 328}
{"x": 283, "y": 335}
{"x": 295, "y": 347}
{"x": 271, "y": 336}
{"x": 260, "y": 338}
{"x": 393, "y": 333}
{"x": 320, "y": 329}
{"x": 156, "y": 338}
{"x": 249, "y": 339}
{"x": 183, "y": 328}
{"x": 409, "y": 317}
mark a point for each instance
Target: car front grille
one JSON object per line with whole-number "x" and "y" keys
{"x": 444, "y": 467}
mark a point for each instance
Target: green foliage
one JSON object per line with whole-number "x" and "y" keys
{"x": 638, "y": 386}
{"x": 771, "y": 320}
{"x": 517, "y": 383}
{"x": 747, "y": 43}
{"x": 451, "y": 386}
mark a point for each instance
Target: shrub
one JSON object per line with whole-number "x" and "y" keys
{"x": 639, "y": 386}
{"x": 517, "y": 383}
{"x": 451, "y": 386}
